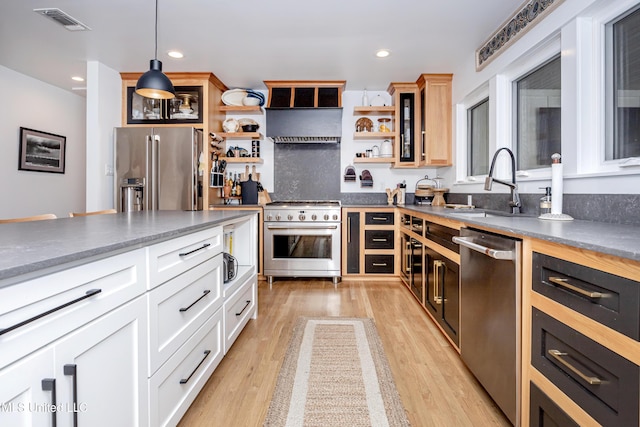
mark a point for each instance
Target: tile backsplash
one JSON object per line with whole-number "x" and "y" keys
{"x": 306, "y": 172}
{"x": 611, "y": 208}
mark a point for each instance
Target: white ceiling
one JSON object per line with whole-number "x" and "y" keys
{"x": 244, "y": 42}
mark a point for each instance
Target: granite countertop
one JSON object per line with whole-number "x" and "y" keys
{"x": 41, "y": 247}
{"x": 613, "y": 239}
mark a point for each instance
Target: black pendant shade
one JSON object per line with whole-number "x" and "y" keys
{"x": 154, "y": 83}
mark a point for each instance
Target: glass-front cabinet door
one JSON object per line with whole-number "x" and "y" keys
{"x": 186, "y": 107}
{"x": 407, "y": 143}
{"x": 407, "y": 103}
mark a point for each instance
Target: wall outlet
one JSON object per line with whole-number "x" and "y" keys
{"x": 108, "y": 170}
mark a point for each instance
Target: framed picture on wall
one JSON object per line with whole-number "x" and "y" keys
{"x": 41, "y": 151}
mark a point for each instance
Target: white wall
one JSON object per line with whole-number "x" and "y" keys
{"x": 579, "y": 48}
{"x": 36, "y": 105}
{"x": 383, "y": 175}
{"x": 104, "y": 106}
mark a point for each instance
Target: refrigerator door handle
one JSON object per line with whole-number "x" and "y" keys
{"x": 155, "y": 140}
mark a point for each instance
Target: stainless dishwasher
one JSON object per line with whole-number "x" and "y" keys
{"x": 490, "y": 315}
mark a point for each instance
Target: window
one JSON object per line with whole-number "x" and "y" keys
{"x": 538, "y": 116}
{"x": 478, "y": 139}
{"x": 623, "y": 88}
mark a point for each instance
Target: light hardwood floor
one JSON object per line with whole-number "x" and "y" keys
{"x": 434, "y": 385}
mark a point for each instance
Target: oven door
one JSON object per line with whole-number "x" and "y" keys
{"x": 301, "y": 249}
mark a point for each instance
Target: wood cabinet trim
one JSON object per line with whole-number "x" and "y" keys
{"x": 608, "y": 263}
{"x": 562, "y": 400}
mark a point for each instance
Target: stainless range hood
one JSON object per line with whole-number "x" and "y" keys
{"x": 304, "y": 125}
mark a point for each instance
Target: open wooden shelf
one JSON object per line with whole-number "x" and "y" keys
{"x": 240, "y": 135}
{"x": 373, "y": 160}
{"x": 247, "y": 109}
{"x": 257, "y": 160}
{"x": 375, "y": 111}
{"x": 373, "y": 135}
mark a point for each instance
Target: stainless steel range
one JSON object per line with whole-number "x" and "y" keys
{"x": 302, "y": 239}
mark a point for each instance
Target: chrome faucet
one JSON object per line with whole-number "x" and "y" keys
{"x": 515, "y": 197}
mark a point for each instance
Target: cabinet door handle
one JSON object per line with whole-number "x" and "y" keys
{"x": 407, "y": 258}
{"x": 348, "y": 229}
{"x": 244, "y": 308}
{"x": 558, "y": 355}
{"x": 206, "y": 245}
{"x": 88, "y": 294}
{"x": 424, "y": 149}
{"x": 72, "y": 370}
{"x": 565, "y": 284}
{"x": 49, "y": 384}
{"x": 204, "y": 294}
{"x": 186, "y": 380}
{"x": 378, "y": 240}
{"x": 436, "y": 281}
{"x": 379, "y": 264}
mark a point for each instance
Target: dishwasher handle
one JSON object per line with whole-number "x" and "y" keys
{"x": 493, "y": 253}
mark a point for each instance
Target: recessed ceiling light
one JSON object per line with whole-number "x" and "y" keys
{"x": 77, "y": 78}
{"x": 383, "y": 53}
{"x": 175, "y": 54}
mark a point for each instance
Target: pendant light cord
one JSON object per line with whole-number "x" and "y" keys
{"x": 156, "y": 38}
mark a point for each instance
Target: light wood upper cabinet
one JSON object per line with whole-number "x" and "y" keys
{"x": 407, "y": 103}
{"x": 435, "y": 119}
{"x": 209, "y": 91}
{"x": 305, "y": 93}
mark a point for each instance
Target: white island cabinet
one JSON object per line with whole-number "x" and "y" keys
{"x": 124, "y": 336}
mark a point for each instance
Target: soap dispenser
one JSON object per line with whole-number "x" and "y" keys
{"x": 545, "y": 202}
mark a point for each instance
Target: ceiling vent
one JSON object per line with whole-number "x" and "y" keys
{"x": 63, "y": 19}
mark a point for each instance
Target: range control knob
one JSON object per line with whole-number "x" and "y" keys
{"x": 301, "y": 217}
{"x": 289, "y": 217}
{"x": 277, "y": 217}
{"x": 268, "y": 217}
{"x": 335, "y": 217}
{"x": 314, "y": 217}
{"x": 326, "y": 217}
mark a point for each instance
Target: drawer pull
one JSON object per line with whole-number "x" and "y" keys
{"x": 377, "y": 218}
{"x": 206, "y": 245}
{"x": 49, "y": 384}
{"x": 379, "y": 240}
{"x": 186, "y": 380}
{"x": 88, "y": 294}
{"x": 565, "y": 284}
{"x": 380, "y": 264}
{"x": 557, "y": 354}
{"x": 72, "y": 370}
{"x": 244, "y": 308}
{"x": 204, "y": 294}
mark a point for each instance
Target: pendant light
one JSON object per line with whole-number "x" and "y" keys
{"x": 154, "y": 83}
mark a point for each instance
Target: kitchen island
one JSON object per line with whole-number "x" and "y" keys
{"x": 127, "y": 311}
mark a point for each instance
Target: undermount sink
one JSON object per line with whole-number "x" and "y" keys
{"x": 475, "y": 213}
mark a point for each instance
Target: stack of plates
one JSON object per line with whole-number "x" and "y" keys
{"x": 254, "y": 94}
{"x": 234, "y": 97}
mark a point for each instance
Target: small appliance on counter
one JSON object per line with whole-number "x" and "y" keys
{"x": 423, "y": 193}
{"x": 230, "y": 267}
{"x": 426, "y": 194}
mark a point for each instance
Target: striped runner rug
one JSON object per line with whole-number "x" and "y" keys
{"x": 335, "y": 373}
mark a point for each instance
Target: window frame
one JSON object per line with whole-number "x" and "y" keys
{"x": 468, "y": 136}
{"x": 516, "y": 107}
{"x": 608, "y": 87}
{"x": 462, "y": 143}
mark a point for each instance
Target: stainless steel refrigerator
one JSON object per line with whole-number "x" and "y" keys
{"x": 158, "y": 169}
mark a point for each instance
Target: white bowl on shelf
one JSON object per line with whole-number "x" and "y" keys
{"x": 250, "y": 101}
